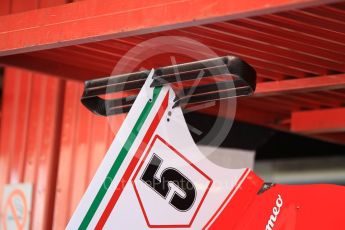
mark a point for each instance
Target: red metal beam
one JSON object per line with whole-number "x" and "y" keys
{"x": 92, "y": 20}
{"x": 234, "y": 38}
{"x": 56, "y": 68}
{"x": 247, "y": 112}
{"x": 338, "y": 138}
{"x": 5, "y": 7}
{"x": 319, "y": 121}
{"x": 273, "y": 39}
{"x": 329, "y": 82}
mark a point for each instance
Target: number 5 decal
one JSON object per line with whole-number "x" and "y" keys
{"x": 162, "y": 185}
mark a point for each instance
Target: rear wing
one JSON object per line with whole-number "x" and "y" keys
{"x": 223, "y": 77}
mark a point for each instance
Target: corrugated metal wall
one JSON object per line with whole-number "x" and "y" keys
{"x": 30, "y": 128}
{"x": 30, "y": 136}
{"x": 47, "y": 137}
{"x": 50, "y": 140}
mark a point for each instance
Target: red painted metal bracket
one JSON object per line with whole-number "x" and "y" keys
{"x": 319, "y": 121}
{"x": 328, "y": 82}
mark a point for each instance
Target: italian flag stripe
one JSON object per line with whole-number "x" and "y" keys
{"x": 129, "y": 171}
{"x": 119, "y": 160}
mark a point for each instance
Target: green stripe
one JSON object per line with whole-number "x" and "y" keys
{"x": 120, "y": 158}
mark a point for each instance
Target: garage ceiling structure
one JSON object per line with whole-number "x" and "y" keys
{"x": 296, "y": 46}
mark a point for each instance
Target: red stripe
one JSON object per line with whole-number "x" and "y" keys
{"x": 125, "y": 178}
